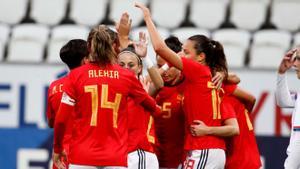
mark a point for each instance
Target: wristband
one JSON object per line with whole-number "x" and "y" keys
{"x": 165, "y": 67}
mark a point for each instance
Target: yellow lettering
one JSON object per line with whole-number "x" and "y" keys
{"x": 60, "y": 87}
{"x": 216, "y": 101}
{"x": 166, "y": 108}
{"x": 103, "y": 73}
{"x": 91, "y": 75}
{"x": 249, "y": 124}
{"x": 95, "y": 73}
{"x": 111, "y": 105}
{"x": 116, "y": 74}
{"x": 151, "y": 139}
{"x": 93, "y": 89}
{"x": 54, "y": 90}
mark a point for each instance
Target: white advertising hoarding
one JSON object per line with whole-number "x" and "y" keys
{"x": 23, "y": 94}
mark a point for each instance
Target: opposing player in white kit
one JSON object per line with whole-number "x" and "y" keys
{"x": 285, "y": 99}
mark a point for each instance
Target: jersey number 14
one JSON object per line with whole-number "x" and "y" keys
{"x": 93, "y": 89}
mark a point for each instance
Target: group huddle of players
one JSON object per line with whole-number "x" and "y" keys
{"x": 187, "y": 113}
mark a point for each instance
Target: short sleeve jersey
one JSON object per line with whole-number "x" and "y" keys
{"x": 99, "y": 95}
{"x": 242, "y": 150}
{"x": 201, "y": 102}
{"x": 170, "y": 127}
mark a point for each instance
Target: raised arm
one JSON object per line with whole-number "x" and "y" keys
{"x": 123, "y": 27}
{"x": 158, "y": 43}
{"x": 282, "y": 93}
{"x": 141, "y": 50}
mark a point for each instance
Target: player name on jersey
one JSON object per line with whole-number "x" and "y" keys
{"x": 104, "y": 73}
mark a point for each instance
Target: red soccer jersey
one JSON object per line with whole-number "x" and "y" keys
{"x": 99, "y": 99}
{"x": 170, "y": 127}
{"x": 54, "y": 98}
{"x": 227, "y": 110}
{"x": 201, "y": 102}
{"x": 141, "y": 133}
{"x": 242, "y": 150}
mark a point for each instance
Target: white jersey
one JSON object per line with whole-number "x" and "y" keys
{"x": 286, "y": 99}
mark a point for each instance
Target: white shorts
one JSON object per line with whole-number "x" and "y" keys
{"x": 73, "y": 166}
{"x": 141, "y": 159}
{"x": 293, "y": 151}
{"x": 206, "y": 158}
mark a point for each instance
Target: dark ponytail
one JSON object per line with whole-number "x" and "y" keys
{"x": 214, "y": 52}
{"x": 218, "y": 61}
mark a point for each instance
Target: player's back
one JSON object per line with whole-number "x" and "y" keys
{"x": 54, "y": 97}
{"x": 100, "y": 133}
{"x": 55, "y": 92}
{"x": 242, "y": 150}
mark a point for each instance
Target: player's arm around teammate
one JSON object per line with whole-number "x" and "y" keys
{"x": 230, "y": 128}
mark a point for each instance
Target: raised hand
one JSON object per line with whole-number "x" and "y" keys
{"x": 123, "y": 27}
{"x": 144, "y": 9}
{"x": 287, "y": 61}
{"x": 141, "y": 46}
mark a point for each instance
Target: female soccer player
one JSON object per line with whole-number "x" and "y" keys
{"x": 141, "y": 124}
{"x": 73, "y": 54}
{"x": 203, "y": 58}
{"x": 170, "y": 126}
{"x": 98, "y": 93}
{"x": 241, "y": 150}
{"x": 287, "y": 99}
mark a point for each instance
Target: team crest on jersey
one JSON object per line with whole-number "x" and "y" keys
{"x": 67, "y": 99}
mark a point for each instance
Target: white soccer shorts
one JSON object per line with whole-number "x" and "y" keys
{"x": 205, "y": 159}
{"x": 141, "y": 159}
{"x": 73, "y": 166}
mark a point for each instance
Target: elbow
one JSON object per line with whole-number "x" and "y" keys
{"x": 252, "y": 99}
{"x": 279, "y": 101}
{"x": 159, "y": 85}
{"x": 233, "y": 78}
{"x": 249, "y": 106}
{"x": 235, "y": 131}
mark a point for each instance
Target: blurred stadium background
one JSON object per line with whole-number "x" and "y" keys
{"x": 255, "y": 35}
